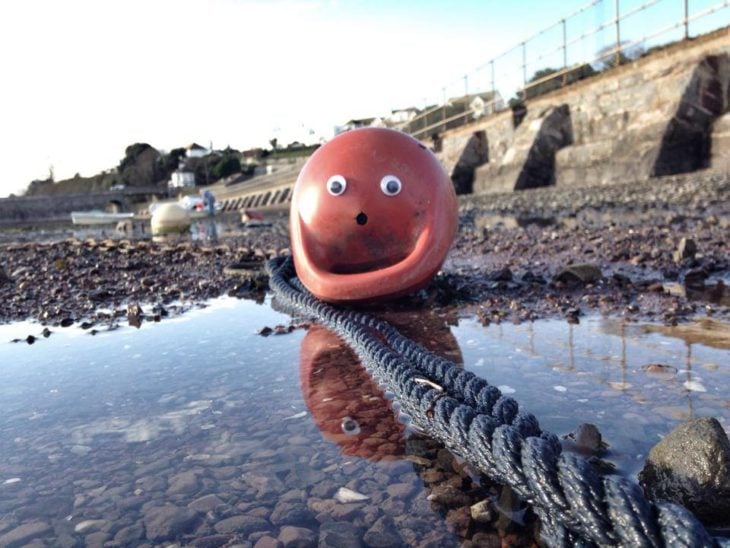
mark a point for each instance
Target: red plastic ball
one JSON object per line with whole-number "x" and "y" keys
{"x": 373, "y": 216}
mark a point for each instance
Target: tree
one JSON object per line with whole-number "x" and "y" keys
{"x": 142, "y": 165}
{"x": 172, "y": 159}
{"x": 274, "y": 143}
{"x": 607, "y": 58}
{"x": 226, "y": 166}
{"x": 542, "y": 73}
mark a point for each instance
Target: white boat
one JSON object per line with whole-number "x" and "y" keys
{"x": 99, "y": 217}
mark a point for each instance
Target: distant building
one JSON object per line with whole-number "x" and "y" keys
{"x": 396, "y": 118}
{"x": 254, "y": 153}
{"x": 481, "y": 104}
{"x": 353, "y": 124}
{"x": 182, "y": 178}
{"x": 194, "y": 150}
{"x": 456, "y": 112}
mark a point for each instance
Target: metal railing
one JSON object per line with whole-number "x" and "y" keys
{"x": 563, "y": 55}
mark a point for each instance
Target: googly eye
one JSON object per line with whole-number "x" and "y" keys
{"x": 336, "y": 185}
{"x": 350, "y": 426}
{"x": 390, "y": 185}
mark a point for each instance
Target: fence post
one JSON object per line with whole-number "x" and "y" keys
{"x": 524, "y": 68}
{"x": 618, "y": 34}
{"x": 564, "y": 79}
{"x": 443, "y": 112}
{"x": 686, "y": 19}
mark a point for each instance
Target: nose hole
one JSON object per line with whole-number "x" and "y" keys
{"x": 361, "y": 218}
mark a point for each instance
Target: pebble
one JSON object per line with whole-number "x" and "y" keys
{"x": 168, "y": 522}
{"x": 25, "y": 533}
{"x": 383, "y": 534}
{"x": 297, "y": 537}
{"x": 242, "y": 524}
{"x": 345, "y": 495}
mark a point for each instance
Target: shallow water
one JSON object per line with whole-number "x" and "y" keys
{"x": 198, "y": 426}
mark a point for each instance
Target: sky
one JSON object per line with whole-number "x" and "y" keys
{"x": 82, "y": 79}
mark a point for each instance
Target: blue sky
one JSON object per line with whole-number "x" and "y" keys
{"x": 82, "y": 79}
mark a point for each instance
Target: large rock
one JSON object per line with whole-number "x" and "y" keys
{"x": 691, "y": 466}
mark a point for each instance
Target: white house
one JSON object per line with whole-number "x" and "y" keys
{"x": 194, "y": 150}
{"x": 396, "y": 118}
{"x": 181, "y": 178}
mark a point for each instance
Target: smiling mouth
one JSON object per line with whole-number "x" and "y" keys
{"x": 367, "y": 266}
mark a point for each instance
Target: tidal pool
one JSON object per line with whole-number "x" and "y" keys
{"x": 199, "y": 430}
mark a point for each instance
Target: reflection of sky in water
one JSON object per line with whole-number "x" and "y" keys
{"x": 594, "y": 372}
{"x": 138, "y": 385}
{"x": 208, "y": 386}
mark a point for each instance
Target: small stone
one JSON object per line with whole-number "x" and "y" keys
{"x": 134, "y": 315}
{"x": 695, "y": 278}
{"x": 25, "y": 533}
{"x": 90, "y": 526}
{"x": 383, "y": 533}
{"x": 579, "y": 274}
{"x": 401, "y": 490}
{"x": 96, "y": 540}
{"x": 184, "y": 483}
{"x": 686, "y": 249}
{"x": 291, "y": 513}
{"x": 587, "y": 438}
{"x": 448, "y": 496}
{"x": 482, "y": 511}
{"x": 691, "y": 466}
{"x": 168, "y": 522}
{"x": 4, "y": 278}
{"x": 660, "y": 369}
{"x": 336, "y": 534}
{"x": 267, "y": 542}
{"x": 345, "y": 495}
{"x": 206, "y": 504}
{"x": 211, "y": 541}
{"x": 297, "y": 537}
{"x": 244, "y": 525}
{"x": 503, "y": 275}
{"x": 129, "y": 535}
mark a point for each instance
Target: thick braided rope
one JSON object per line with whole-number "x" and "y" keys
{"x": 576, "y": 505}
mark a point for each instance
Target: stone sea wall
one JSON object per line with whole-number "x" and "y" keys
{"x": 663, "y": 114}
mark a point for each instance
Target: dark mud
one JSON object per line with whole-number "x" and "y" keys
{"x": 514, "y": 260}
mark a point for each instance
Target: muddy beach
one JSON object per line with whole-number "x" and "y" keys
{"x": 653, "y": 251}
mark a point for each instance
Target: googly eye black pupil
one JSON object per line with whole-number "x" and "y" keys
{"x": 336, "y": 187}
{"x": 392, "y": 186}
{"x": 349, "y": 425}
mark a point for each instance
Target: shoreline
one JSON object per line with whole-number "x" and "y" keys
{"x": 511, "y": 260}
